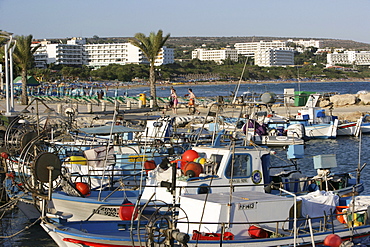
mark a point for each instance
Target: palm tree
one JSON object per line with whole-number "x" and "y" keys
{"x": 23, "y": 58}
{"x": 150, "y": 46}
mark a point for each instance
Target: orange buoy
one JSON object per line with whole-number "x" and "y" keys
{"x": 149, "y": 165}
{"x": 83, "y": 188}
{"x": 4, "y": 155}
{"x": 189, "y": 155}
{"x": 332, "y": 240}
{"x": 127, "y": 210}
{"x": 193, "y": 169}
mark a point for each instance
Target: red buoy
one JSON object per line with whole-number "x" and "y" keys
{"x": 127, "y": 210}
{"x": 332, "y": 240}
{"x": 189, "y": 155}
{"x": 4, "y": 155}
{"x": 193, "y": 169}
{"x": 149, "y": 165}
{"x": 83, "y": 188}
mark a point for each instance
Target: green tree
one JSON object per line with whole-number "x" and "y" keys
{"x": 151, "y": 47}
{"x": 23, "y": 58}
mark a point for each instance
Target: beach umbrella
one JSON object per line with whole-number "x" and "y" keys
{"x": 91, "y": 92}
{"x": 116, "y": 93}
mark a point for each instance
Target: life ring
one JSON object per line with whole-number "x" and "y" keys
{"x": 256, "y": 177}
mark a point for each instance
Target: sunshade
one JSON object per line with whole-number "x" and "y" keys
{"x": 31, "y": 81}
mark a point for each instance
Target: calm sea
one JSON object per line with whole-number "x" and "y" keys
{"x": 259, "y": 88}
{"x": 350, "y": 151}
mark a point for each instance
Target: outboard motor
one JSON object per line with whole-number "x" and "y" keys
{"x": 296, "y": 130}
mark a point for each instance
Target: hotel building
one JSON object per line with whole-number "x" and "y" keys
{"x": 349, "y": 57}
{"x": 215, "y": 55}
{"x": 249, "y": 49}
{"x": 274, "y": 57}
{"x": 77, "y": 52}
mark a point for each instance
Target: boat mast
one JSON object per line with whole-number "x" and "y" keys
{"x": 236, "y": 90}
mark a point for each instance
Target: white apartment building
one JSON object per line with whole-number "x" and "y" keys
{"x": 274, "y": 57}
{"x": 307, "y": 43}
{"x": 70, "y": 54}
{"x": 77, "y": 52}
{"x": 99, "y": 55}
{"x": 248, "y": 49}
{"x": 165, "y": 56}
{"x": 215, "y": 55}
{"x": 349, "y": 57}
{"x": 40, "y": 55}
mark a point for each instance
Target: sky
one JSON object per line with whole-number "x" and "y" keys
{"x": 46, "y": 19}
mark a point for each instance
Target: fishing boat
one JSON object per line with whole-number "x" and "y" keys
{"x": 350, "y": 128}
{"x": 100, "y": 159}
{"x": 228, "y": 218}
{"x": 220, "y": 168}
{"x": 316, "y": 123}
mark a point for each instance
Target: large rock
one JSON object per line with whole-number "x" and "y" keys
{"x": 343, "y": 99}
{"x": 365, "y": 98}
{"x": 324, "y": 103}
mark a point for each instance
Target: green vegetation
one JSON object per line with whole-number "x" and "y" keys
{"x": 150, "y": 46}
{"x": 23, "y": 58}
{"x": 202, "y": 71}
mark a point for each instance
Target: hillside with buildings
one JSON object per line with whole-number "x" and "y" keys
{"x": 193, "y": 41}
{"x": 98, "y": 52}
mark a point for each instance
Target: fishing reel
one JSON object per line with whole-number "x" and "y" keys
{"x": 39, "y": 166}
{"x": 161, "y": 221}
{"x": 26, "y": 127}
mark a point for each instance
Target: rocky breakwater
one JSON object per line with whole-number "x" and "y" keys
{"x": 348, "y": 107}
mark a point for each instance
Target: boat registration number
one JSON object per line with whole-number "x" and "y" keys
{"x": 108, "y": 211}
{"x": 247, "y": 206}
{"x": 240, "y": 180}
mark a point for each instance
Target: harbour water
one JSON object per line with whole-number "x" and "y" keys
{"x": 350, "y": 151}
{"x": 342, "y": 87}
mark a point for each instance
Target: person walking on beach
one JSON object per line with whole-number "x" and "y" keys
{"x": 170, "y": 100}
{"x": 192, "y": 109}
{"x": 175, "y": 100}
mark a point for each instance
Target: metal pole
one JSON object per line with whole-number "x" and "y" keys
{"x": 295, "y": 216}
{"x": 11, "y": 77}
{"x": 6, "y": 80}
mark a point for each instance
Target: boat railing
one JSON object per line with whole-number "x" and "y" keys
{"x": 333, "y": 222}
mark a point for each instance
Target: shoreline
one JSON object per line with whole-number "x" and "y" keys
{"x": 168, "y": 84}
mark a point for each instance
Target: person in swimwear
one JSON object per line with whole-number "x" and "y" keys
{"x": 192, "y": 109}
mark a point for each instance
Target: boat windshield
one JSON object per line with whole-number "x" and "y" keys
{"x": 242, "y": 166}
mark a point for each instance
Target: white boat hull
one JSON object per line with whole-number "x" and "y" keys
{"x": 322, "y": 131}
